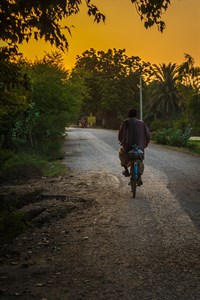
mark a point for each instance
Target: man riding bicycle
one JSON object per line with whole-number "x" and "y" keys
{"x": 132, "y": 132}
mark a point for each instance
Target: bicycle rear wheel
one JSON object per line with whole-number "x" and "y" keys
{"x": 133, "y": 188}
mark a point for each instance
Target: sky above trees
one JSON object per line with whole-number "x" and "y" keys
{"x": 124, "y": 30}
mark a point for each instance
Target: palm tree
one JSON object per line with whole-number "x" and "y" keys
{"x": 164, "y": 96}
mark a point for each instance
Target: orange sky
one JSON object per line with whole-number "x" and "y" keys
{"x": 124, "y": 30}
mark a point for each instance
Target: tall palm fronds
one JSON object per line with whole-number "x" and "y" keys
{"x": 164, "y": 96}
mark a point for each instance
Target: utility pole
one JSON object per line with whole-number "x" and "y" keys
{"x": 141, "y": 112}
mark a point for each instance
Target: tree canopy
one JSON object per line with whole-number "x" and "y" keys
{"x": 111, "y": 79}
{"x": 37, "y": 102}
{"x": 151, "y": 11}
{"x": 22, "y": 20}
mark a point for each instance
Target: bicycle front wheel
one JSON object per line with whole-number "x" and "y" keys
{"x": 133, "y": 188}
{"x": 134, "y": 177}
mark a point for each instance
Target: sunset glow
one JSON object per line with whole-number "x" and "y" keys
{"x": 124, "y": 30}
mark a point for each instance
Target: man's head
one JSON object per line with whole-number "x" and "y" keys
{"x": 132, "y": 113}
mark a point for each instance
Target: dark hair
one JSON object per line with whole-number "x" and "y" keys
{"x": 132, "y": 113}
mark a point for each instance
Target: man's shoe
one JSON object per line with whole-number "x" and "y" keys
{"x": 126, "y": 173}
{"x": 140, "y": 182}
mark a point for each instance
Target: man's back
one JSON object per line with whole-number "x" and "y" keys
{"x": 133, "y": 131}
{"x": 143, "y": 134}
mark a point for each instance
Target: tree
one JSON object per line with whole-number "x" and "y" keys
{"x": 190, "y": 75}
{"x": 14, "y": 88}
{"x": 112, "y": 81}
{"x": 22, "y": 20}
{"x": 164, "y": 97}
{"x": 151, "y": 11}
{"x": 194, "y": 107}
{"x": 190, "y": 91}
{"x": 55, "y": 102}
{"x": 52, "y": 103}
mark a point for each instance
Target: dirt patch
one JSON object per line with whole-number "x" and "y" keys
{"x": 39, "y": 263}
{"x": 89, "y": 239}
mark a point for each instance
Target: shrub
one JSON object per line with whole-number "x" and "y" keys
{"x": 26, "y": 166}
{"x": 158, "y": 124}
{"x": 5, "y": 154}
{"x": 52, "y": 149}
{"x": 162, "y": 136}
{"x": 23, "y": 165}
{"x": 177, "y": 138}
{"x": 173, "y": 137}
{"x": 12, "y": 223}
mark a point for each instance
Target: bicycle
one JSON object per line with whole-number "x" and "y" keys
{"x": 135, "y": 158}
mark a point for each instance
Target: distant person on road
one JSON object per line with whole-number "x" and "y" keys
{"x": 83, "y": 122}
{"x": 132, "y": 132}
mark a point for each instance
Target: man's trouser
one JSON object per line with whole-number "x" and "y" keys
{"x": 125, "y": 160}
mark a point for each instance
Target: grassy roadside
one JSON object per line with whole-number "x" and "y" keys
{"x": 25, "y": 166}
{"x": 193, "y": 147}
{"x": 22, "y": 166}
{"x": 18, "y": 168}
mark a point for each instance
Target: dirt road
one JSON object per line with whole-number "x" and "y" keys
{"x": 89, "y": 239}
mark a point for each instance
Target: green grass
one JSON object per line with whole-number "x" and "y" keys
{"x": 194, "y": 146}
{"x": 54, "y": 168}
{"x": 27, "y": 165}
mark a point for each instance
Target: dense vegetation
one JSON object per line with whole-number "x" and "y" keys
{"x": 37, "y": 101}
{"x": 170, "y": 92}
{"x": 111, "y": 80}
